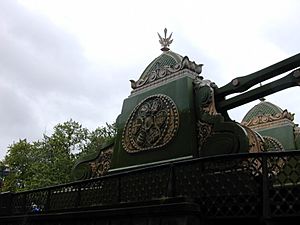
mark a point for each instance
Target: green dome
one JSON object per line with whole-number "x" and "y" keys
{"x": 167, "y": 58}
{"x": 263, "y": 108}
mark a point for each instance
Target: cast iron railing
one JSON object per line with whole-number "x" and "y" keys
{"x": 230, "y": 186}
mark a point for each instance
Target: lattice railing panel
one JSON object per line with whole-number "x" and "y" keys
{"x": 144, "y": 185}
{"x": 223, "y": 189}
{"x": 65, "y": 197}
{"x": 284, "y": 185}
{"x": 18, "y": 203}
{"x": 99, "y": 192}
{"x": 245, "y": 185}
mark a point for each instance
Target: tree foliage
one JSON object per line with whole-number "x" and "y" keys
{"x": 49, "y": 161}
{"x": 97, "y": 138}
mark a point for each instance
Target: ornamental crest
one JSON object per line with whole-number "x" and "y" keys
{"x": 101, "y": 165}
{"x": 151, "y": 125}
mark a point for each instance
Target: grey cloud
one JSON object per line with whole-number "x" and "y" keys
{"x": 36, "y": 54}
{"x": 44, "y": 76}
{"x": 17, "y": 118}
{"x": 45, "y": 79}
{"x": 15, "y": 111}
{"x": 284, "y": 31}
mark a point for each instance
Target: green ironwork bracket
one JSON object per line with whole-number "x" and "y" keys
{"x": 242, "y": 84}
{"x": 291, "y": 80}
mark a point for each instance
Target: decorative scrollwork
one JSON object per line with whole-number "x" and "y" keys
{"x": 101, "y": 165}
{"x": 151, "y": 125}
{"x": 262, "y": 119}
{"x": 206, "y": 110}
{"x": 204, "y": 131}
{"x": 275, "y": 164}
{"x": 256, "y": 141}
{"x": 162, "y": 72}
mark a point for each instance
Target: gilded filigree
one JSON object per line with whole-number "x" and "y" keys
{"x": 256, "y": 141}
{"x": 162, "y": 72}
{"x": 206, "y": 111}
{"x": 207, "y": 100}
{"x": 151, "y": 125}
{"x": 275, "y": 164}
{"x": 101, "y": 165}
{"x": 268, "y": 144}
{"x": 261, "y": 119}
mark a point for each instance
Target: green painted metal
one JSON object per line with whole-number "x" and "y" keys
{"x": 82, "y": 168}
{"x": 205, "y": 128}
{"x": 183, "y": 144}
{"x": 297, "y": 141}
{"x": 241, "y": 84}
{"x": 290, "y": 80}
{"x": 284, "y": 134}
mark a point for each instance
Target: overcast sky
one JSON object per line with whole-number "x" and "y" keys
{"x": 64, "y": 59}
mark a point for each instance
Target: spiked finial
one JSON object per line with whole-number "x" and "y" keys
{"x": 165, "y": 42}
{"x": 261, "y": 99}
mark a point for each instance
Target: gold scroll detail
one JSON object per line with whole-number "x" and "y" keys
{"x": 261, "y": 119}
{"x": 101, "y": 165}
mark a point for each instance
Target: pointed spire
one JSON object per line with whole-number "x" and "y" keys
{"x": 165, "y": 42}
{"x": 261, "y": 99}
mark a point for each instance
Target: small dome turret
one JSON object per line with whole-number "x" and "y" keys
{"x": 165, "y": 67}
{"x": 262, "y": 109}
{"x": 167, "y": 58}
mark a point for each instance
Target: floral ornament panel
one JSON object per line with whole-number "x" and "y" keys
{"x": 151, "y": 125}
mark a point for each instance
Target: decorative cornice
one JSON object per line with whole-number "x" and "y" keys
{"x": 263, "y": 119}
{"x": 271, "y": 125}
{"x": 166, "y": 80}
{"x": 165, "y": 72}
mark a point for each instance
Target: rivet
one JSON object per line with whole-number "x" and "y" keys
{"x": 296, "y": 74}
{"x": 235, "y": 82}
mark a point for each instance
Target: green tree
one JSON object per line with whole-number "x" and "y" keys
{"x": 49, "y": 161}
{"x": 19, "y": 158}
{"x": 97, "y": 138}
{"x": 62, "y": 147}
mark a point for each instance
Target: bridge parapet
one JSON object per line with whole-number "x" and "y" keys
{"x": 253, "y": 185}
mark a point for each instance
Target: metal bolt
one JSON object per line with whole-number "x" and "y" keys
{"x": 296, "y": 74}
{"x": 235, "y": 82}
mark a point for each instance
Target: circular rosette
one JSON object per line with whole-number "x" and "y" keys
{"x": 151, "y": 125}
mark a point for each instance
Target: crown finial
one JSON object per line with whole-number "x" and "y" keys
{"x": 165, "y": 42}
